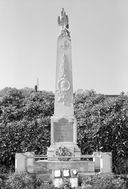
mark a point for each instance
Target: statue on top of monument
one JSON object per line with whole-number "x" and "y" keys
{"x": 63, "y": 21}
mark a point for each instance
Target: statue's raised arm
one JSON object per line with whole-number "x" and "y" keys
{"x": 63, "y": 20}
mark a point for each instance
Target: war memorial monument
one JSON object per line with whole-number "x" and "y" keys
{"x": 63, "y": 159}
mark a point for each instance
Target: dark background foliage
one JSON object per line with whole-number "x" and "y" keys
{"x": 25, "y": 124}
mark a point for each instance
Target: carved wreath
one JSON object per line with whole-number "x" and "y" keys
{"x": 61, "y": 152}
{"x": 63, "y": 87}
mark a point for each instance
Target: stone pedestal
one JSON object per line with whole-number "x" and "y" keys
{"x": 103, "y": 161}
{"x": 106, "y": 162}
{"x": 20, "y": 162}
{"x": 24, "y": 162}
{"x": 63, "y": 138}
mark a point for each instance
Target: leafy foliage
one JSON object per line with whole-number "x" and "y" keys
{"x": 25, "y": 124}
{"x": 103, "y": 126}
{"x": 22, "y": 181}
{"x": 104, "y": 182}
{"x": 27, "y": 181}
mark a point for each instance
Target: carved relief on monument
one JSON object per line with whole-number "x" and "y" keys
{"x": 62, "y": 153}
{"x": 64, "y": 81}
{"x": 64, "y": 89}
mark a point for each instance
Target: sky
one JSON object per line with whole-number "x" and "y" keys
{"x": 99, "y": 34}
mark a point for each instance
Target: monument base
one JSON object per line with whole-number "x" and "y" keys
{"x": 48, "y": 167}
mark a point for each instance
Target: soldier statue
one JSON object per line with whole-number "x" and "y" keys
{"x": 63, "y": 21}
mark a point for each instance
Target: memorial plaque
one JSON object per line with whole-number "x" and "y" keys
{"x": 63, "y": 131}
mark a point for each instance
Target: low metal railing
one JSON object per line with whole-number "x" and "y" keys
{"x": 82, "y": 157}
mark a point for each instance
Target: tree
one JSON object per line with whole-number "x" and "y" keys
{"x": 103, "y": 125}
{"x": 25, "y": 123}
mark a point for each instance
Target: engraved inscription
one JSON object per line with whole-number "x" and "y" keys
{"x": 63, "y": 131}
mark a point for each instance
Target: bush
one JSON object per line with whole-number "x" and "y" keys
{"x": 103, "y": 182}
{"x": 121, "y": 166}
{"x": 27, "y": 181}
{"x": 22, "y": 181}
{"x": 46, "y": 185}
{"x": 4, "y": 172}
{"x": 24, "y": 124}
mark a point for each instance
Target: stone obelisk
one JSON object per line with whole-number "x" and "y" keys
{"x": 63, "y": 122}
